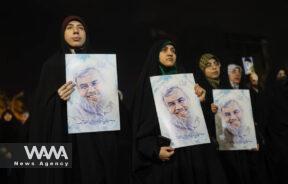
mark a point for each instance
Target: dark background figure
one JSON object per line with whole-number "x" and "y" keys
{"x": 282, "y": 73}
{"x": 274, "y": 114}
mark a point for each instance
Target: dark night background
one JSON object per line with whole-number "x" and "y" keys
{"x": 30, "y": 33}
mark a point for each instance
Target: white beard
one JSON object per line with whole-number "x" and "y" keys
{"x": 97, "y": 109}
{"x": 239, "y": 134}
{"x": 94, "y": 114}
{"x": 188, "y": 124}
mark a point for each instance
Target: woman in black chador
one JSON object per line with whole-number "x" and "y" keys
{"x": 95, "y": 155}
{"x": 275, "y": 116}
{"x": 154, "y": 161}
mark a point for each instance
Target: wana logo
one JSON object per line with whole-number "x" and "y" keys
{"x": 44, "y": 153}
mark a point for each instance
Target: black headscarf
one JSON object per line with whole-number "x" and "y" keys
{"x": 152, "y": 63}
{"x": 151, "y": 68}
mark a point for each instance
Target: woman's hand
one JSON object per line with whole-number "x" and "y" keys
{"x": 166, "y": 152}
{"x": 257, "y": 148}
{"x": 200, "y": 92}
{"x": 65, "y": 90}
{"x": 214, "y": 108}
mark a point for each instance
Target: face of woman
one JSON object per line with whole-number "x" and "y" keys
{"x": 281, "y": 74}
{"x": 167, "y": 56}
{"x": 212, "y": 69}
{"x": 235, "y": 76}
{"x": 74, "y": 34}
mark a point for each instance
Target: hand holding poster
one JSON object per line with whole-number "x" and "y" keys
{"x": 234, "y": 120}
{"x": 178, "y": 109}
{"x": 93, "y": 106}
{"x": 248, "y": 65}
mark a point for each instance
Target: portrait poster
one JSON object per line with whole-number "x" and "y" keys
{"x": 248, "y": 65}
{"x": 234, "y": 122}
{"x": 178, "y": 109}
{"x": 93, "y": 106}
